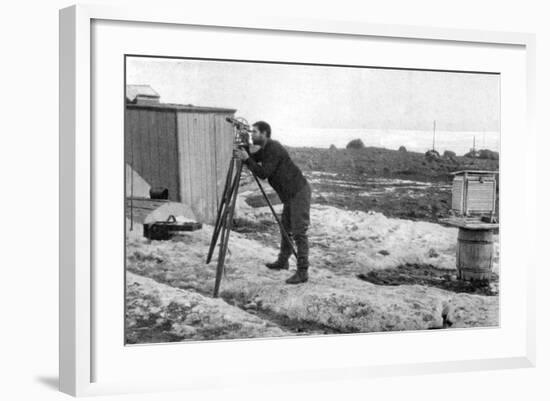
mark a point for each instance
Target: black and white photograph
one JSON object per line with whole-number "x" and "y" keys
{"x": 270, "y": 199}
{"x": 290, "y": 200}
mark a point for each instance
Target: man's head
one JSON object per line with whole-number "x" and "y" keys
{"x": 261, "y": 131}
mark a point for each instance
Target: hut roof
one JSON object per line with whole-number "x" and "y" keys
{"x": 474, "y": 172}
{"x": 181, "y": 107}
{"x": 133, "y": 91}
{"x": 146, "y": 91}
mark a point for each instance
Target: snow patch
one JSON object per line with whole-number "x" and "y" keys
{"x": 186, "y": 315}
{"x": 342, "y": 244}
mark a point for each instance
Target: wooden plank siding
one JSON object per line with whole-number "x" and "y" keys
{"x": 223, "y": 152}
{"x": 224, "y": 146}
{"x": 480, "y": 196}
{"x": 151, "y": 148}
{"x": 205, "y": 147}
{"x": 458, "y": 194}
{"x": 184, "y": 149}
{"x": 474, "y": 192}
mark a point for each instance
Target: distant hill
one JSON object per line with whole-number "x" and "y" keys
{"x": 381, "y": 162}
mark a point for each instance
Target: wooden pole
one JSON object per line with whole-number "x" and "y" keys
{"x": 131, "y": 182}
{"x": 433, "y": 141}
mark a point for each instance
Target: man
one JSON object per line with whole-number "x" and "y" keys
{"x": 272, "y": 161}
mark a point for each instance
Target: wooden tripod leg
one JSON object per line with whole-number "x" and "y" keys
{"x": 283, "y": 230}
{"x": 226, "y": 196}
{"x": 224, "y": 223}
{"x": 228, "y": 224}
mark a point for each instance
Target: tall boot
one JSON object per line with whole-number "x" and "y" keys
{"x": 279, "y": 264}
{"x": 284, "y": 254}
{"x": 301, "y": 275}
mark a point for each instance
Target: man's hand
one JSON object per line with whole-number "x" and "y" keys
{"x": 240, "y": 154}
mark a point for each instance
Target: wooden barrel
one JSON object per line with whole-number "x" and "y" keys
{"x": 474, "y": 254}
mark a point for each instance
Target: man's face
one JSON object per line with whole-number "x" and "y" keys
{"x": 258, "y": 138}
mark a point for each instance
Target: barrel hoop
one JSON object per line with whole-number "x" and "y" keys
{"x": 468, "y": 241}
{"x": 476, "y": 269}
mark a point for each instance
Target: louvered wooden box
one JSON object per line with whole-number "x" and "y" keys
{"x": 474, "y": 192}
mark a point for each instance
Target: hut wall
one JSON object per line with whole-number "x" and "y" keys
{"x": 151, "y": 148}
{"x": 205, "y": 148}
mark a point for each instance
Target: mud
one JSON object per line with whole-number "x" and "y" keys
{"x": 432, "y": 276}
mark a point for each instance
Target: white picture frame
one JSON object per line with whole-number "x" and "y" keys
{"x": 79, "y": 341}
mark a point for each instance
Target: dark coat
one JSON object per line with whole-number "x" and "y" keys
{"x": 281, "y": 172}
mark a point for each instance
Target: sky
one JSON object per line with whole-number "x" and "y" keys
{"x": 335, "y": 102}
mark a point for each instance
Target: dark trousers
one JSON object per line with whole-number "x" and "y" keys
{"x": 295, "y": 220}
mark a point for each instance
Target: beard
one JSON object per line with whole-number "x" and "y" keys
{"x": 258, "y": 141}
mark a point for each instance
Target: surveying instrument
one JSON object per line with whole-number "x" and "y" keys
{"x": 226, "y": 210}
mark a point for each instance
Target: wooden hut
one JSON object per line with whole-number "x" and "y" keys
{"x": 183, "y": 148}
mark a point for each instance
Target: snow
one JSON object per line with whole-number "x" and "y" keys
{"x": 350, "y": 241}
{"x": 369, "y": 187}
{"x": 375, "y": 193}
{"x": 186, "y": 315}
{"x": 335, "y": 183}
{"x": 323, "y": 174}
{"x": 318, "y": 177}
{"x": 387, "y": 182}
{"x": 397, "y": 181}
{"x": 343, "y": 244}
{"x": 363, "y": 235}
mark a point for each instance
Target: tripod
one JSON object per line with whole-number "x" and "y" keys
{"x": 224, "y": 219}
